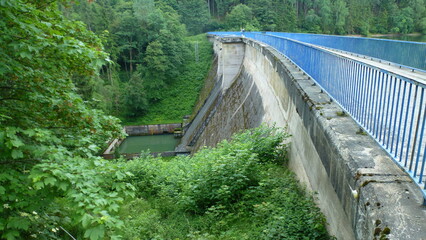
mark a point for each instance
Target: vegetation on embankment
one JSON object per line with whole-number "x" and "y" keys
{"x": 181, "y": 95}
{"x": 239, "y": 190}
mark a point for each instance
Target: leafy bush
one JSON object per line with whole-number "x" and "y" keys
{"x": 239, "y": 190}
{"x": 50, "y": 179}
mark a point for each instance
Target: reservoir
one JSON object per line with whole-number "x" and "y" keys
{"x": 153, "y": 143}
{"x": 415, "y": 38}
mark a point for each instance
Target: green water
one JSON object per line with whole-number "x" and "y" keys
{"x": 154, "y": 143}
{"x": 417, "y": 38}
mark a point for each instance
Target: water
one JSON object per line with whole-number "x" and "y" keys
{"x": 154, "y": 143}
{"x": 417, "y": 38}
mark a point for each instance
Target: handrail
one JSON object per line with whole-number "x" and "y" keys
{"x": 390, "y": 107}
{"x": 403, "y": 53}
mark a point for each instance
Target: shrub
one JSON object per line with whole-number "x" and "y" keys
{"x": 239, "y": 190}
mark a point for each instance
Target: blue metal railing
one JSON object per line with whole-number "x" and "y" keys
{"x": 390, "y": 107}
{"x": 226, "y": 34}
{"x": 405, "y": 53}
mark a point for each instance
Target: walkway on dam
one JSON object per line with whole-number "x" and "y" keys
{"x": 419, "y": 76}
{"x": 379, "y": 83}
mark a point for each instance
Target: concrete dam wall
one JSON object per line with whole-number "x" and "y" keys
{"x": 362, "y": 193}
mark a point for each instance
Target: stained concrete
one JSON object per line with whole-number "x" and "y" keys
{"x": 360, "y": 190}
{"x": 153, "y": 129}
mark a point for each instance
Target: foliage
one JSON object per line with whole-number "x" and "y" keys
{"x": 146, "y": 40}
{"x": 151, "y": 34}
{"x": 238, "y": 190}
{"x": 135, "y": 96}
{"x": 181, "y": 94}
{"x": 329, "y": 16}
{"x": 195, "y": 15}
{"x": 50, "y": 179}
{"x": 241, "y": 17}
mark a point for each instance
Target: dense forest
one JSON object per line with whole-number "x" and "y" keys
{"x": 67, "y": 66}
{"x": 147, "y": 43}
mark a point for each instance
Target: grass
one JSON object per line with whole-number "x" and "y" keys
{"x": 182, "y": 94}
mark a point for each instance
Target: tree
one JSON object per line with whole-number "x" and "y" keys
{"x": 195, "y": 15}
{"x": 286, "y": 12}
{"x": 135, "y": 97}
{"x": 223, "y": 7}
{"x": 155, "y": 68}
{"x": 50, "y": 178}
{"x": 264, "y": 13}
{"x": 312, "y": 22}
{"x": 422, "y": 25}
{"x": 360, "y": 15}
{"x": 239, "y": 18}
{"x": 340, "y": 13}
{"x": 325, "y": 13}
{"x": 403, "y": 22}
{"x": 128, "y": 34}
{"x": 419, "y": 8}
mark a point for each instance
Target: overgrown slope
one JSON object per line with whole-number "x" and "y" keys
{"x": 181, "y": 95}
{"x": 239, "y": 190}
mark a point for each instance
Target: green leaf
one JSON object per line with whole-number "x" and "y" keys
{"x": 38, "y": 185}
{"x": 18, "y": 223}
{"x": 114, "y": 207}
{"x": 16, "y": 142}
{"x": 17, "y": 154}
{"x": 116, "y": 237}
{"x": 86, "y": 220}
{"x": 63, "y": 186}
{"x": 101, "y": 202}
{"x": 30, "y": 132}
{"x": 25, "y": 55}
{"x": 2, "y": 190}
{"x": 2, "y": 224}
{"x": 50, "y": 181}
{"x": 95, "y": 233}
{"x": 10, "y": 235}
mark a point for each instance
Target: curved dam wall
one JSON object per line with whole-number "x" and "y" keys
{"x": 362, "y": 193}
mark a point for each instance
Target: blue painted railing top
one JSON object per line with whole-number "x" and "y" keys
{"x": 405, "y": 53}
{"x": 390, "y": 107}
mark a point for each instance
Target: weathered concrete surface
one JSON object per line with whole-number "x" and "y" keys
{"x": 363, "y": 194}
{"x": 240, "y": 108}
{"x": 231, "y": 54}
{"x": 151, "y": 129}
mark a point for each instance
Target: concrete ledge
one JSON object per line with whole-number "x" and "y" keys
{"x": 153, "y": 129}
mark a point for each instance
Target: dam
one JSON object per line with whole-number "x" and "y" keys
{"x": 359, "y": 186}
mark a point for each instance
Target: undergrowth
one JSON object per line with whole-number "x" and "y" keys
{"x": 182, "y": 94}
{"x": 239, "y": 190}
